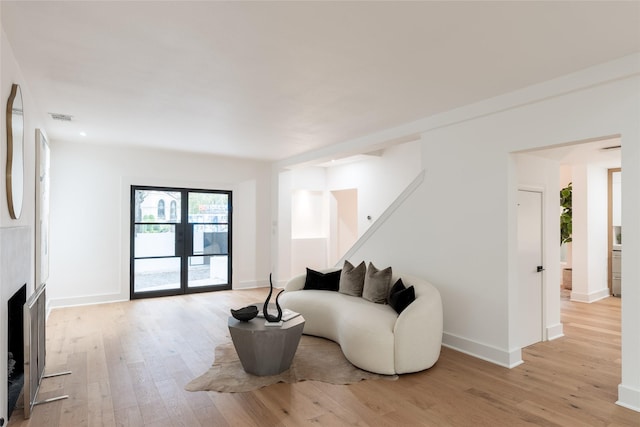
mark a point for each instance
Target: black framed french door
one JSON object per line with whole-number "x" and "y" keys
{"x": 180, "y": 241}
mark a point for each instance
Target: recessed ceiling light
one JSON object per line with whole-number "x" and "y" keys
{"x": 83, "y": 134}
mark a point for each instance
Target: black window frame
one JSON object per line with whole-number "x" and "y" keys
{"x": 184, "y": 242}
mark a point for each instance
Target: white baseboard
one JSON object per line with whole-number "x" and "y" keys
{"x": 589, "y": 298}
{"x": 508, "y": 359}
{"x": 88, "y": 300}
{"x": 629, "y": 397}
{"x": 555, "y": 332}
{"x": 253, "y": 284}
{"x": 108, "y": 298}
{"x": 250, "y": 284}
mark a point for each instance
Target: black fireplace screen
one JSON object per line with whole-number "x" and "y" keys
{"x": 15, "y": 347}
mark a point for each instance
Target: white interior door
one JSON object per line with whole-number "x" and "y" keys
{"x": 530, "y": 274}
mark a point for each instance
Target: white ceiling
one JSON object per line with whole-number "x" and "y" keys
{"x": 270, "y": 80}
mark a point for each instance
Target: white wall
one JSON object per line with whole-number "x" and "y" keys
{"x": 589, "y": 233}
{"x": 304, "y": 244}
{"x": 458, "y": 229}
{"x": 378, "y": 180}
{"x": 281, "y": 225}
{"x": 10, "y": 73}
{"x": 309, "y": 230}
{"x": 90, "y": 208}
{"x": 565, "y": 176}
{"x": 308, "y": 219}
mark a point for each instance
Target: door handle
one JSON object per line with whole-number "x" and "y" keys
{"x": 539, "y": 269}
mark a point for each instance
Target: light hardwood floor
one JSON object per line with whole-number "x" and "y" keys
{"x": 131, "y": 360}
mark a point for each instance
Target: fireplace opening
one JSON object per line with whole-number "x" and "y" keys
{"x": 15, "y": 346}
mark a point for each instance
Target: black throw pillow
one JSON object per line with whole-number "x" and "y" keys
{"x": 400, "y": 297}
{"x": 322, "y": 281}
{"x": 398, "y": 286}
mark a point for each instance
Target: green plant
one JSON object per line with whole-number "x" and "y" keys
{"x": 566, "y": 214}
{"x": 154, "y": 228}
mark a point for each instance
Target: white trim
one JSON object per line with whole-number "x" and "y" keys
{"x": 507, "y": 359}
{"x": 589, "y": 298}
{"x": 87, "y": 300}
{"x": 531, "y": 188}
{"x": 628, "y": 397}
{"x": 251, "y": 284}
{"x": 554, "y": 332}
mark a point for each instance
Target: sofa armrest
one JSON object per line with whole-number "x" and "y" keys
{"x": 295, "y": 283}
{"x": 418, "y": 329}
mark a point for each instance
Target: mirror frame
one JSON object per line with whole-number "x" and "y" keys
{"x": 15, "y": 206}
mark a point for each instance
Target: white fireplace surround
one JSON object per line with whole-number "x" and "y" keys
{"x": 15, "y": 259}
{"x": 16, "y": 250}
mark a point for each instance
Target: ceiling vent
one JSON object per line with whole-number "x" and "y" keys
{"x": 61, "y": 117}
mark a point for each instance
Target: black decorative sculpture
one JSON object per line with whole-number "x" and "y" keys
{"x": 265, "y": 310}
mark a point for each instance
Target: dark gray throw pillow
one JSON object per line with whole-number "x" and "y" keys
{"x": 401, "y": 297}
{"x": 376, "y": 284}
{"x": 322, "y": 281}
{"x": 352, "y": 279}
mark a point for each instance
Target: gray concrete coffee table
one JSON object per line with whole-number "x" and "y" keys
{"x": 265, "y": 350}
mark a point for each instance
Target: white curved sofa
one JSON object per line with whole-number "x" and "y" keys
{"x": 373, "y": 336}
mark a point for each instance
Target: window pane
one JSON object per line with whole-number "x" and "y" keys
{"x": 161, "y": 209}
{"x": 208, "y": 270}
{"x": 151, "y": 205}
{"x": 210, "y": 239}
{"x": 155, "y": 240}
{"x": 209, "y": 207}
{"x": 156, "y": 274}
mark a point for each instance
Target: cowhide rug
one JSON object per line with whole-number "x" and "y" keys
{"x": 317, "y": 359}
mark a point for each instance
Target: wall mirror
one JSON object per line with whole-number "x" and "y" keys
{"x": 15, "y": 152}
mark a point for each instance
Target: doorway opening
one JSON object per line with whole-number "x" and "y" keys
{"x": 615, "y": 231}
{"x": 584, "y": 165}
{"x": 180, "y": 241}
{"x": 343, "y": 223}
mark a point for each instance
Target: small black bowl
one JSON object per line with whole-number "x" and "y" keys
{"x": 245, "y": 314}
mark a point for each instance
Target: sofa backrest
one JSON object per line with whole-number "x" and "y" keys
{"x": 421, "y": 286}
